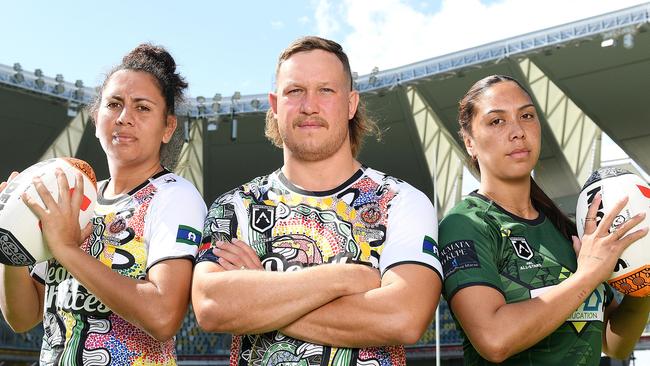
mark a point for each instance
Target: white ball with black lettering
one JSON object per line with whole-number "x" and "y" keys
{"x": 21, "y": 239}
{"x": 631, "y": 275}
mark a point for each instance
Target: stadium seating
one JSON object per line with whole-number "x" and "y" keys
{"x": 191, "y": 340}
{"x": 28, "y": 341}
{"x": 449, "y": 334}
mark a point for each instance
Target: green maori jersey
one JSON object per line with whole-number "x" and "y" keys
{"x": 481, "y": 244}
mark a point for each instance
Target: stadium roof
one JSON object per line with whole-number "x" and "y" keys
{"x": 580, "y": 84}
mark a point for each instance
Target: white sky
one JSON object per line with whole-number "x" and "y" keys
{"x": 392, "y": 33}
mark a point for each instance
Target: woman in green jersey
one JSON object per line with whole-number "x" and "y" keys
{"x": 512, "y": 277}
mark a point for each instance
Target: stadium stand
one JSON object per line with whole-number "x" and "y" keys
{"x": 28, "y": 341}
{"x": 417, "y": 105}
{"x": 191, "y": 341}
{"x": 19, "y": 349}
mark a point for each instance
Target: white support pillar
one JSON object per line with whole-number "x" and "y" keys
{"x": 444, "y": 161}
{"x": 67, "y": 143}
{"x": 190, "y": 162}
{"x": 576, "y": 134}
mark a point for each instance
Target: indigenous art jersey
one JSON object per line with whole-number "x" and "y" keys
{"x": 481, "y": 244}
{"x": 371, "y": 218}
{"x": 158, "y": 220}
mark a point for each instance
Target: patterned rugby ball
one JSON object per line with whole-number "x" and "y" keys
{"x": 21, "y": 240}
{"x": 631, "y": 275}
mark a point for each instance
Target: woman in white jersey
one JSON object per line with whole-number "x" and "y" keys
{"x": 119, "y": 297}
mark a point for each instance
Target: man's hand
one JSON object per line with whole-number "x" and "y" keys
{"x": 236, "y": 255}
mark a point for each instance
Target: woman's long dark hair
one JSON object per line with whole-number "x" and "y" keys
{"x": 466, "y": 112}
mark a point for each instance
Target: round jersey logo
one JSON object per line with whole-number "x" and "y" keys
{"x": 370, "y": 214}
{"x": 117, "y": 226}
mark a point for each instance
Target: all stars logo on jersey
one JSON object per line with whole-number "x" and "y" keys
{"x": 521, "y": 247}
{"x": 262, "y": 217}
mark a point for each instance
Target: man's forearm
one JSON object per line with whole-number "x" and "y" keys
{"x": 396, "y": 313}
{"x": 248, "y": 302}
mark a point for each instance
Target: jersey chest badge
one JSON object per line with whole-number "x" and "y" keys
{"x": 591, "y": 310}
{"x": 262, "y": 217}
{"x": 521, "y": 247}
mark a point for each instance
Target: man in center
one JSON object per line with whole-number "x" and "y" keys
{"x": 324, "y": 261}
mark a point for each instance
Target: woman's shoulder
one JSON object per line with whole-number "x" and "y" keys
{"x": 472, "y": 216}
{"x": 173, "y": 183}
{"x": 170, "y": 187}
{"x": 470, "y": 208}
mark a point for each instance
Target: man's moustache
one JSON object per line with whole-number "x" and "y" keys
{"x": 300, "y": 120}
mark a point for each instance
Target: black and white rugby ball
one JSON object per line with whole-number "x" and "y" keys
{"x": 631, "y": 275}
{"x": 21, "y": 239}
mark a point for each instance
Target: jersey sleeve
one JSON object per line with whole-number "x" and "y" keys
{"x": 173, "y": 222}
{"x": 611, "y": 295}
{"x": 468, "y": 252}
{"x": 411, "y": 233}
{"x": 39, "y": 271}
{"x": 220, "y": 225}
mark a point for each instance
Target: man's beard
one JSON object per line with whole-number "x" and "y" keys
{"x": 314, "y": 150}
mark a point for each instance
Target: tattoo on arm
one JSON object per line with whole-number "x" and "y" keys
{"x": 594, "y": 257}
{"x": 582, "y": 295}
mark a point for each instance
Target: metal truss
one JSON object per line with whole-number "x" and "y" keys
{"x": 497, "y": 51}
{"x": 576, "y": 134}
{"x": 38, "y": 83}
{"x": 190, "y": 162}
{"x": 443, "y": 66}
{"x": 67, "y": 143}
{"x": 218, "y": 106}
{"x": 445, "y": 163}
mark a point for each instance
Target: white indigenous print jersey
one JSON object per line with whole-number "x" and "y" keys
{"x": 156, "y": 221}
{"x": 372, "y": 218}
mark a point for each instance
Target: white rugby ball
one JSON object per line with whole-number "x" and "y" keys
{"x": 21, "y": 239}
{"x": 631, "y": 275}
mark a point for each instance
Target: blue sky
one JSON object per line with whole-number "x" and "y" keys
{"x": 233, "y": 46}
{"x": 219, "y": 46}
